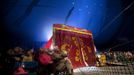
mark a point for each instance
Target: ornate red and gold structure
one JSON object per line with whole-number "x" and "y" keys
{"x": 77, "y": 42}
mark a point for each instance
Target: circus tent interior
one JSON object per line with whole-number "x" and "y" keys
{"x": 86, "y": 29}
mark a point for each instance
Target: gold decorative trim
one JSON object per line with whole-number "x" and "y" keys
{"x": 71, "y": 30}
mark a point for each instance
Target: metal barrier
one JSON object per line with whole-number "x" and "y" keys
{"x": 107, "y": 70}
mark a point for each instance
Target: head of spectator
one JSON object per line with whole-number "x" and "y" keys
{"x": 43, "y": 50}
{"x": 18, "y": 50}
{"x": 28, "y": 53}
{"x": 10, "y": 52}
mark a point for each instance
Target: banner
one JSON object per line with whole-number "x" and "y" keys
{"x": 77, "y": 42}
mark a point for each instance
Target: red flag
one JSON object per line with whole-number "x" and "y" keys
{"x": 49, "y": 43}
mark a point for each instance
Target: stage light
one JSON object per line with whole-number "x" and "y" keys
{"x": 47, "y": 33}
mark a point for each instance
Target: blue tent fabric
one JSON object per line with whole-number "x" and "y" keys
{"x": 34, "y": 18}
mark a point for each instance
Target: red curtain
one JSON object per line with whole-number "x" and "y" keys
{"x": 77, "y": 42}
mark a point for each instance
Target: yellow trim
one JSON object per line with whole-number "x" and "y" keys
{"x": 71, "y": 30}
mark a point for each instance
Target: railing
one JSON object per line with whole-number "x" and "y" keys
{"x": 107, "y": 70}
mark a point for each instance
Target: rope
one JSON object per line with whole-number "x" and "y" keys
{"x": 122, "y": 44}
{"x": 118, "y": 15}
{"x": 70, "y": 12}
